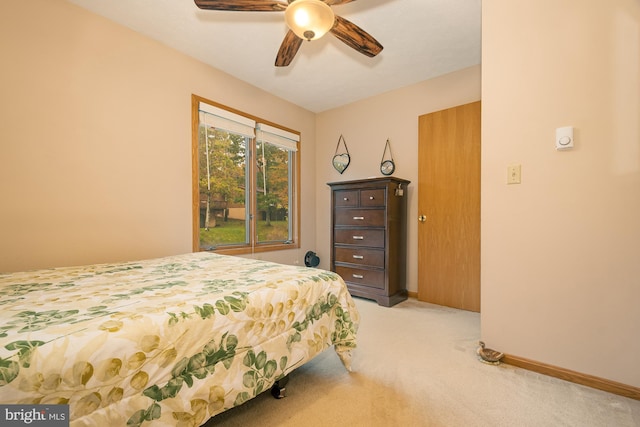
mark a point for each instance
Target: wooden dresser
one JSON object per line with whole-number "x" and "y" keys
{"x": 369, "y": 237}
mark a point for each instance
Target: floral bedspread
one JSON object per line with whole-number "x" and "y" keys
{"x": 170, "y": 341}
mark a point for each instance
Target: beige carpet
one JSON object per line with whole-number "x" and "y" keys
{"x": 416, "y": 365}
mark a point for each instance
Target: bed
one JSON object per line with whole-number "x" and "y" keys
{"x": 168, "y": 341}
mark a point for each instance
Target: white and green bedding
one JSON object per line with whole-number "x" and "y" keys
{"x": 170, "y": 341}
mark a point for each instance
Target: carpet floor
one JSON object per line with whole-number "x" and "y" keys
{"x": 416, "y": 365}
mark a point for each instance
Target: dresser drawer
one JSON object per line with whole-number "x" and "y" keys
{"x": 363, "y": 217}
{"x": 370, "y": 198}
{"x": 360, "y": 276}
{"x": 351, "y": 236}
{"x": 368, "y": 257}
{"x": 345, "y": 198}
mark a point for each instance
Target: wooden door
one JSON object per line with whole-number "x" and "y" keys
{"x": 449, "y": 207}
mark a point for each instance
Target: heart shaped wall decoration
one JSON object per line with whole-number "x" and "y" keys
{"x": 341, "y": 161}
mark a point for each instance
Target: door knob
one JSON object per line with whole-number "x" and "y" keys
{"x": 422, "y": 218}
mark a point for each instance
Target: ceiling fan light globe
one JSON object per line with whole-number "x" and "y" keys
{"x": 309, "y": 19}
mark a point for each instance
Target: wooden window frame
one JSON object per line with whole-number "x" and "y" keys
{"x": 253, "y": 246}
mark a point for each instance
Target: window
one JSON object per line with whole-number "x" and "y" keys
{"x": 245, "y": 181}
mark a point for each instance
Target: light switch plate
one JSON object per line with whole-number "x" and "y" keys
{"x": 514, "y": 174}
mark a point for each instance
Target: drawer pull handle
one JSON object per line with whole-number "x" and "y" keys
{"x": 358, "y": 257}
{"x": 358, "y": 218}
{"x": 358, "y": 276}
{"x": 358, "y": 237}
{"x": 346, "y": 199}
{"x": 371, "y": 198}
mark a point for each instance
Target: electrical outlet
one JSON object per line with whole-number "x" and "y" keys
{"x": 514, "y": 174}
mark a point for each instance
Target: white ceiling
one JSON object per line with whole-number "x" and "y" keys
{"x": 422, "y": 39}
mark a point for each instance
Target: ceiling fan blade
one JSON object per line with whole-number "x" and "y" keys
{"x": 242, "y": 5}
{"x": 356, "y": 37}
{"x": 337, "y": 2}
{"x": 288, "y": 49}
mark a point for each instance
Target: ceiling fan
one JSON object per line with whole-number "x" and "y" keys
{"x": 307, "y": 20}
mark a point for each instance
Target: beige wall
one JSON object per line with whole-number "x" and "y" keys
{"x": 560, "y": 252}
{"x": 95, "y": 140}
{"x": 366, "y": 125}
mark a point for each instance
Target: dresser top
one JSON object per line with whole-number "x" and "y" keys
{"x": 377, "y": 180}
